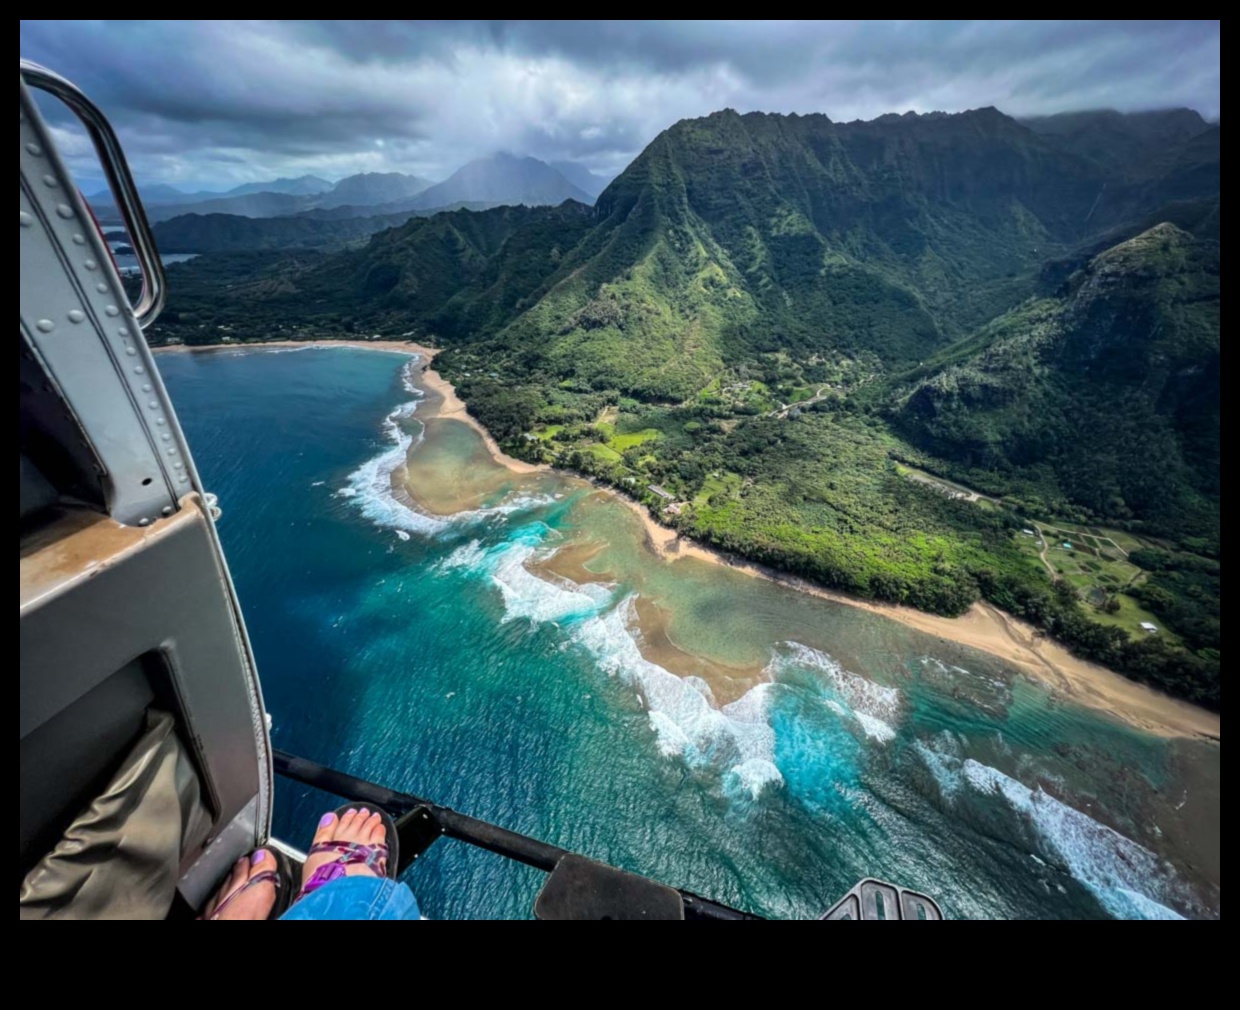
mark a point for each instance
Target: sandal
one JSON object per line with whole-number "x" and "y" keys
{"x": 281, "y": 878}
{"x": 384, "y": 859}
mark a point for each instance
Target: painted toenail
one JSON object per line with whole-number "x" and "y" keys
{"x": 350, "y": 811}
{"x": 363, "y": 812}
{"x": 326, "y": 819}
{"x": 258, "y": 857}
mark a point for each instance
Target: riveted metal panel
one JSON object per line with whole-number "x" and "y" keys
{"x": 75, "y": 320}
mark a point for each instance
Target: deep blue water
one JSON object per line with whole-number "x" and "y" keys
{"x": 425, "y": 654}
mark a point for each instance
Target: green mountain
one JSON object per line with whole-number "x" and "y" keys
{"x": 737, "y": 235}
{"x": 457, "y": 274}
{"x": 1101, "y": 400}
{"x": 326, "y": 229}
{"x": 741, "y": 234}
{"x": 804, "y": 330}
{"x": 1128, "y": 145}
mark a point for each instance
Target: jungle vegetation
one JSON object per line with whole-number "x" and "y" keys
{"x": 779, "y": 319}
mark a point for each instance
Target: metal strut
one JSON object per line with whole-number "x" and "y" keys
{"x": 120, "y": 182}
{"x": 582, "y": 888}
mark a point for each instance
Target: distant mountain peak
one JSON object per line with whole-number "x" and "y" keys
{"x": 372, "y": 188}
{"x": 302, "y": 185}
{"x": 504, "y": 178}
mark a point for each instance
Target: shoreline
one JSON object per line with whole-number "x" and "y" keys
{"x": 982, "y": 627}
{"x": 390, "y": 346}
{"x": 453, "y": 408}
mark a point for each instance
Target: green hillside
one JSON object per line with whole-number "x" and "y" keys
{"x": 1101, "y": 402}
{"x": 793, "y": 325}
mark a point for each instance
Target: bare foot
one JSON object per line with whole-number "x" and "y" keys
{"x": 234, "y": 900}
{"x": 359, "y": 826}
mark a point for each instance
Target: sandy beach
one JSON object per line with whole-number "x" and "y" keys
{"x": 990, "y": 630}
{"x": 453, "y": 407}
{"x": 983, "y": 627}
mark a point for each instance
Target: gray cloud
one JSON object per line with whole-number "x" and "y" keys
{"x": 213, "y": 103}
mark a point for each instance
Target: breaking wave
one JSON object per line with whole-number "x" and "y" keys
{"x": 736, "y": 738}
{"x": 373, "y": 492}
{"x": 370, "y": 485}
{"x": 872, "y": 708}
{"x": 1129, "y": 880}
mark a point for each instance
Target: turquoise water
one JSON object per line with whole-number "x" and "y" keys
{"x": 527, "y": 659}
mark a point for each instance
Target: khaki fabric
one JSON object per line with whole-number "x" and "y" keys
{"x": 121, "y": 857}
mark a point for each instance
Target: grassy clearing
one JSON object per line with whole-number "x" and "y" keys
{"x": 626, "y": 441}
{"x": 720, "y": 486}
{"x": 1092, "y": 538}
{"x": 1098, "y": 574}
{"x": 603, "y": 453}
{"x": 1129, "y": 617}
{"x": 1085, "y": 565}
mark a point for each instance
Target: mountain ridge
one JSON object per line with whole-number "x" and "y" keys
{"x": 790, "y": 325}
{"x": 500, "y": 179}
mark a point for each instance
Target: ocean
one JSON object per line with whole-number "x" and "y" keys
{"x": 509, "y": 645}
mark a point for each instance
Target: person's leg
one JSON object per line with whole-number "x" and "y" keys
{"x": 366, "y": 898}
{"x": 249, "y": 892}
{"x": 346, "y": 878}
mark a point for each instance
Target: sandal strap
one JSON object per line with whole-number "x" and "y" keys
{"x": 347, "y": 854}
{"x": 258, "y": 878}
{"x": 352, "y": 853}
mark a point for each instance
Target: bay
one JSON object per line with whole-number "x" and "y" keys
{"x": 509, "y": 645}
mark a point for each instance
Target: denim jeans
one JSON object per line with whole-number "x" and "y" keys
{"x": 357, "y": 898}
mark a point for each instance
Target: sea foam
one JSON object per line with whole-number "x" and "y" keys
{"x": 370, "y": 485}
{"x": 1127, "y": 879}
{"x": 372, "y": 489}
{"x": 539, "y": 600}
{"x": 737, "y": 739}
{"x": 873, "y": 708}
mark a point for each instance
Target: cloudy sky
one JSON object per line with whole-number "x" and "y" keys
{"x": 214, "y": 103}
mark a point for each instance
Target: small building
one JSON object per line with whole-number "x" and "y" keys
{"x": 662, "y": 492}
{"x": 1151, "y": 628}
{"x": 1066, "y": 546}
{"x": 1029, "y": 533}
{"x": 673, "y": 509}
